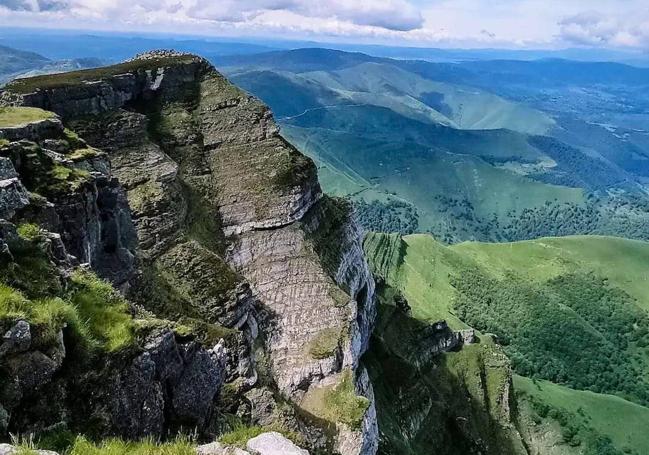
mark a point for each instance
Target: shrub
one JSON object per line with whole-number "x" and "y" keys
{"x": 29, "y": 231}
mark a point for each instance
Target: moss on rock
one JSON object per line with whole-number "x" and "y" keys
{"x": 19, "y": 116}
{"x": 325, "y": 343}
{"x": 338, "y": 402}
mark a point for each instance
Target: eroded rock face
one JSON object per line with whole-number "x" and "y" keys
{"x": 85, "y": 204}
{"x": 13, "y": 195}
{"x": 231, "y": 223}
{"x": 167, "y": 382}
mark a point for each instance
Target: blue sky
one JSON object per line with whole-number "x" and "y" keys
{"x": 442, "y": 23}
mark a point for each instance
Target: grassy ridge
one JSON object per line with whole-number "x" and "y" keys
{"x": 622, "y": 261}
{"x": 571, "y": 309}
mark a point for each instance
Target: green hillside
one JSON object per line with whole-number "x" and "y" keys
{"x": 474, "y": 156}
{"x": 569, "y": 310}
{"x": 623, "y": 422}
{"x": 409, "y": 94}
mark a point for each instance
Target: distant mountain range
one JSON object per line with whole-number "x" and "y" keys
{"x": 484, "y": 150}
{"x": 16, "y": 63}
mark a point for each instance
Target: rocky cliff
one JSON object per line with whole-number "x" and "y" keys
{"x": 250, "y": 287}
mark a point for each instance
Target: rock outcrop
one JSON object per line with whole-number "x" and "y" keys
{"x": 225, "y": 226}
{"x": 271, "y": 443}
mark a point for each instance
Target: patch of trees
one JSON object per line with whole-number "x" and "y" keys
{"x": 575, "y": 330}
{"x": 392, "y": 216}
{"x": 575, "y": 168}
{"x": 623, "y": 215}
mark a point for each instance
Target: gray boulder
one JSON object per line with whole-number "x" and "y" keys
{"x": 17, "y": 339}
{"x": 7, "y": 449}
{"x": 273, "y": 444}
{"x": 216, "y": 448}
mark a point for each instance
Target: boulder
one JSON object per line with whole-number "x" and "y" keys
{"x": 273, "y": 444}
{"x": 216, "y": 448}
{"x": 17, "y": 339}
{"x": 7, "y": 449}
{"x": 13, "y": 195}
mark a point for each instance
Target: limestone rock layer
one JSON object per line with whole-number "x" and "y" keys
{"x": 231, "y": 225}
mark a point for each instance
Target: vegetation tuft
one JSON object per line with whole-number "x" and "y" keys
{"x": 337, "y": 403}
{"x": 325, "y": 343}
{"x": 18, "y": 116}
{"x": 181, "y": 446}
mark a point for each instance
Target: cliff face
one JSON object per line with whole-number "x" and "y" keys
{"x": 215, "y": 220}
{"x": 71, "y": 352}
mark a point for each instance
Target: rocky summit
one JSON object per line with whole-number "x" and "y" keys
{"x": 170, "y": 264}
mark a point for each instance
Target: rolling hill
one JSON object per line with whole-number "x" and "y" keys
{"x": 16, "y": 63}
{"x": 570, "y": 314}
{"x": 473, "y": 150}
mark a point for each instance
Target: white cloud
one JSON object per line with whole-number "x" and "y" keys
{"x": 596, "y": 29}
{"x": 468, "y": 23}
{"x": 399, "y": 15}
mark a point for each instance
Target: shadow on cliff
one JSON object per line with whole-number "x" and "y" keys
{"x": 439, "y": 403}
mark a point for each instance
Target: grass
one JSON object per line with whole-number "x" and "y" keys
{"x": 48, "y": 315}
{"x": 95, "y": 313}
{"x": 547, "y": 299}
{"x": 623, "y": 262}
{"x": 54, "y": 81}
{"x": 29, "y": 231}
{"x": 325, "y": 343}
{"x": 83, "y": 154}
{"x": 104, "y": 309}
{"x": 337, "y": 403}
{"x": 18, "y": 116}
{"x": 181, "y": 446}
{"x": 73, "y": 138}
{"x": 241, "y": 435}
{"x": 624, "y": 422}
{"x": 419, "y": 267}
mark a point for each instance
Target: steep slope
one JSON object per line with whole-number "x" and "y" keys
{"x": 543, "y": 301}
{"x": 232, "y": 232}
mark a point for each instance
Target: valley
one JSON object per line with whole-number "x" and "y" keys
{"x": 476, "y": 149}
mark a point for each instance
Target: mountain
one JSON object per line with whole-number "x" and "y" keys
{"x": 568, "y": 313}
{"x": 486, "y": 150}
{"x": 15, "y": 63}
{"x": 114, "y": 47}
{"x": 169, "y": 262}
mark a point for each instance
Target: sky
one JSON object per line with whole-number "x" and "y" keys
{"x": 615, "y": 24}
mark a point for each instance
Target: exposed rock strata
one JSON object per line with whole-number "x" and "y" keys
{"x": 224, "y": 209}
